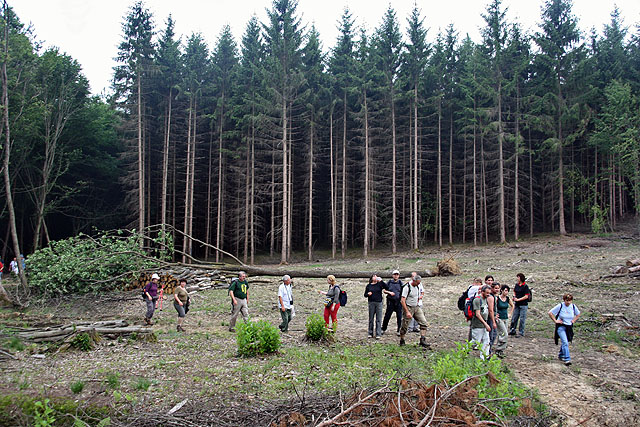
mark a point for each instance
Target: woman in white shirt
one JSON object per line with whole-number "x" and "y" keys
{"x": 564, "y": 316}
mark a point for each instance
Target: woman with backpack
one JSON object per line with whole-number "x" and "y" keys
{"x": 564, "y": 315}
{"x": 331, "y": 303}
{"x": 503, "y": 306}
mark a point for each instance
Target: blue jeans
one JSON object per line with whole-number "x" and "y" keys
{"x": 564, "y": 344}
{"x": 519, "y": 312}
{"x": 375, "y": 309}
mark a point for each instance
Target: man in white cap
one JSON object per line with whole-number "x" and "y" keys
{"x": 411, "y": 309}
{"x": 285, "y": 302}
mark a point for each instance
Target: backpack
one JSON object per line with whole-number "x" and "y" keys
{"x": 187, "y": 304}
{"x": 530, "y": 295}
{"x": 343, "y": 298}
{"x": 468, "y": 308}
{"x": 463, "y": 299}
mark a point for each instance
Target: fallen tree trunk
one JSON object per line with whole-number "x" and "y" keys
{"x": 317, "y": 274}
{"x": 633, "y": 262}
{"x": 118, "y": 327}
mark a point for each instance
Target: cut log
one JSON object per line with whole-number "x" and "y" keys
{"x": 633, "y": 262}
{"x": 634, "y": 269}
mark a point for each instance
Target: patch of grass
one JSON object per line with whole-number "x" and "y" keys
{"x": 32, "y": 410}
{"x": 113, "y": 380}
{"x": 16, "y": 344}
{"x": 77, "y": 387}
{"x": 142, "y": 384}
{"x": 82, "y": 341}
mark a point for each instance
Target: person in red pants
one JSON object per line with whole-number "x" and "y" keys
{"x": 331, "y": 303}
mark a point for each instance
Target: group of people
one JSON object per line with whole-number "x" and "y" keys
{"x": 491, "y": 303}
{"x": 13, "y": 266}
{"x": 492, "y": 306}
{"x": 152, "y": 292}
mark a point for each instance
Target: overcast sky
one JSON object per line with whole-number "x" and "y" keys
{"x": 90, "y": 30}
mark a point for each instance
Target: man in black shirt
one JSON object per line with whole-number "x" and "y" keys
{"x": 521, "y": 293}
{"x": 393, "y": 291}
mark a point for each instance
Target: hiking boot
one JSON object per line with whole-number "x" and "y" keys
{"x": 567, "y": 363}
{"x": 423, "y": 343}
{"x": 402, "y": 342}
{"x": 383, "y": 331}
{"x": 232, "y": 330}
{"x": 398, "y": 333}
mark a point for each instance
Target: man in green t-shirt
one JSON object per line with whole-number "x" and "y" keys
{"x": 239, "y": 292}
{"x": 479, "y": 326}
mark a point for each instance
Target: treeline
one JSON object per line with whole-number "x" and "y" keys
{"x": 388, "y": 140}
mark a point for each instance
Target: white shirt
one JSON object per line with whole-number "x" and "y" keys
{"x": 285, "y": 292}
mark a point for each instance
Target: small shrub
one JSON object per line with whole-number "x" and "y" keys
{"x": 77, "y": 387}
{"x": 43, "y": 416}
{"x": 142, "y": 384}
{"x": 316, "y": 328}
{"x": 82, "y": 341}
{"x": 16, "y": 344}
{"x": 256, "y": 338}
{"x": 113, "y": 380}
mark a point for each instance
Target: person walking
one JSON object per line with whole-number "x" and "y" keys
{"x": 331, "y": 303}
{"x": 503, "y": 306}
{"x": 472, "y": 291}
{"x": 285, "y": 302}
{"x": 479, "y": 326}
{"x": 521, "y": 294}
{"x": 373, "y": 292}
{"x": 564, "y": 315}
{"x": 151, "y": 296}
{"x": 411, "y": 310}
{"x": 239, "y": 293}
{"x": 413, "y": 325}
{"x": 393, "y": 291}
{"x": 180, "y": 303}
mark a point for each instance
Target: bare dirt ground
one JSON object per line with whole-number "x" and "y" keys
{"x": 601, "y": 388}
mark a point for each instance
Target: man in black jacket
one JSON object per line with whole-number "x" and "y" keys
{"x": 393, "y": 291}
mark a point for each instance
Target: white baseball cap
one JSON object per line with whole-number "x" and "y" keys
{"x": 395, "y": 272}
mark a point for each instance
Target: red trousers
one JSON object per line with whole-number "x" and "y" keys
{"x": 328, "y": 312}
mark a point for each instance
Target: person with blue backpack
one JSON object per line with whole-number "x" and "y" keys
{"x": 564, "y": 315}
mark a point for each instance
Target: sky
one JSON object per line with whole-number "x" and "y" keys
{"x": 90, "y": 30}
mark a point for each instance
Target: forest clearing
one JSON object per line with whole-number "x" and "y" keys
{"x": 137, "y": 382}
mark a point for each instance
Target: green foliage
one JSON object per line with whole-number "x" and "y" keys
{"x": 142, "y": 384}
{"x": 82, "y": 342}
{"x": 16, "y": 344}
{"x": 113, "y": 380}
{"x": 459, "y": 364}
{"x": 77, "y": 387}
{"x": 256, "y": 338}
{"x": 43, "y": 416}
{"x": 316, "y": 328}
{"x": 599, "y": 221}
{"x": 87, "y": 264}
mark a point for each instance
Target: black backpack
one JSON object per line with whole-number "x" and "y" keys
{"x": 463, "y": 299}
{"x": 343, "y": 298}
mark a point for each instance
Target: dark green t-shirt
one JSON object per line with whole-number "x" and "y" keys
{"x": 479, "y": 304}
{"x": 239, "y": 288}
{"x": 503, "y": 308}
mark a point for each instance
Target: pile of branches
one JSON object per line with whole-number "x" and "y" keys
{"x": 411, "y": 404}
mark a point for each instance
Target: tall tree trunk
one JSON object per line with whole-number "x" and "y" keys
{"x": 451, "y": 178}
{"x": 219, "y": 213}
{"x": 503, "y": 231}
{"x": 5, "y": 161}
{"x": 310, "y": 209}
{"x": 165, "y": 165}
{"x": 365, "y": 249}
{"x": 272, "y": 236}
{"x": 333, "y": 187}
{"x": 141, "y": 206}
{"x": 253, "y": 187}
{"x": 245, "y": 209}
{"x": 207, "y": 232}
{"x": 416, "y": 213}
{"x": 394, "y": 215}
{"x": 285, "y": 187}
{"x": 193, "y": 174}
{"x": 561, "y": 223}
{"x": 484, "y": 190}
{"x": 475, "y": 178}
{"x": 531, "y": 219}
{"x": 439, "y": 171}
{"x": 343, "y": 223}
{"x": 185, "y": 241}
{"x": 516, "y": 189}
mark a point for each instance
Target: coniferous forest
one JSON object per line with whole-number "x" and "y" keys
{"x": 392, "y": 138}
